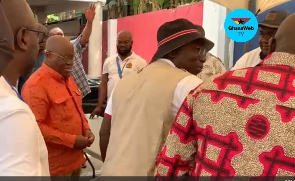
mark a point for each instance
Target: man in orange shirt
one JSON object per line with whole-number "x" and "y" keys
{"x": 56, "y": 101}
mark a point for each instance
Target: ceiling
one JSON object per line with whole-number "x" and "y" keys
{"x": 44, "y": 2}
{"x": 56, "y": 6}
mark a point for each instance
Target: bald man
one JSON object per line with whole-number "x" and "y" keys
{"x": 80, "y": 44}
{"x": 40, "y": 59}
{"x": 23, "y": 151}
{"x": 6, "y": 41}
{"x": 41, "y": 54}
{"x": 56, "y": 101}
{"x": 241, "y": 123}
{"x": 116, "y": 67}
{"x": 267, "y": 29}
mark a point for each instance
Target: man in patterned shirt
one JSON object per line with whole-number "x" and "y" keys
{"x": 213, "y": 65}
{"x": 80, "y": 45}
{"x": 241, "y": 123}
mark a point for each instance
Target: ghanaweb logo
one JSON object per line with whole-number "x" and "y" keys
{"x": 241, "y": 29}
{"x": 241, "y": 21}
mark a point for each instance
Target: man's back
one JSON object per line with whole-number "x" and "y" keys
{"x": 141, "y": 118}
{"x": 245, "y": 117}
{"x": 22, "y": 146}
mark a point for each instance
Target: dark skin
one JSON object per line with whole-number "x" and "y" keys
{"x": 59, "y": 56}
{"x": 124, "y": 49}
{"x": 265, "y": 35}
{"x": 124, "y": 44}
{"x": 6, "y": 41}
{"x": 42, "y": 43}
{"x": 188, "y": 57}
{"x": 26, "y": 42}
{"x": 284, "y": 38}
{"x": 104, "y": 136}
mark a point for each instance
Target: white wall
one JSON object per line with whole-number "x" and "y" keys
{"x": 95, "y": 45}
{"x": 112, "y": 36}
{"x": 213, "y": 20}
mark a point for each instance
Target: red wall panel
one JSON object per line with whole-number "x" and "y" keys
{"x": 144, "y": 29}
{"x": 144, "y": 26}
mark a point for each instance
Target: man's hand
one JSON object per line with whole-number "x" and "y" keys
{"x": 90, "y": 136}
{"x": 81, "y": 142}
{"x": 90, "y": 13}
{"x": 96, "y": 111}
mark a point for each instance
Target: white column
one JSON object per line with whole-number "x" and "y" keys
{"x": 112, "y": 36}
{"x": 213, "y": 20}
{"x": 95, "y": 44}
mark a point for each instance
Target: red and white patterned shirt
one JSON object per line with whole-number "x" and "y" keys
{"x": 239, "y": 124}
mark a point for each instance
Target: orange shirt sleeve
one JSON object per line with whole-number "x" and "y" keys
{"x": 85, "y": 124}
{"x": 35, "y": 96}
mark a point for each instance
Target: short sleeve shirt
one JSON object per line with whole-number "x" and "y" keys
{"x": 129, "y": 65}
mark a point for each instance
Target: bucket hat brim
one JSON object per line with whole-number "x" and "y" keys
{"x": 181, "y": 41}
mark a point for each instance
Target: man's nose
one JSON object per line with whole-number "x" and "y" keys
{"x": 265, "y": 39}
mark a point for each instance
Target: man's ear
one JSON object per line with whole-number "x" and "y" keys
{"x": 271, "y": 45}
{"x": 21, "y": 39}
{"x": 47, "y": 54}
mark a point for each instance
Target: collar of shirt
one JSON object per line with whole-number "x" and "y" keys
{"x": 54, "y": 74}
{"x": 167, "y": 61}
{"x": 280, "y": 58}
{"x": 127, "y": 58}
{"x": 5, "y": 86}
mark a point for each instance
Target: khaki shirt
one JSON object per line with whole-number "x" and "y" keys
{"x": 212, "y": 66}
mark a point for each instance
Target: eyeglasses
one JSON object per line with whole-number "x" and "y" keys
{"x": 202, "y": 51}
{"x": 199, "y": 49}
{"x": 41, "y": 36}
{"x": 65, "y": 58}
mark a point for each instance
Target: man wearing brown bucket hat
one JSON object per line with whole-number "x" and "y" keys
{"x": 213, "y": 65}
{"x": 144, "y": 104}
{"x": 240, "y": 124}
{"x": 267, "y": 30}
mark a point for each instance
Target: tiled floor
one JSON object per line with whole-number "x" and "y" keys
{"x": 88, "y": 170}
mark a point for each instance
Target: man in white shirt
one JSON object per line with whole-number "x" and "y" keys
{"x": 116, "y": 67}
{"x": 144, "y": 104}
{"x": 267, "y": 30}
{"x": 23, "y": 151}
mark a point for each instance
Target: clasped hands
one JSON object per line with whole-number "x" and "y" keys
{"x": 84, "y": 141}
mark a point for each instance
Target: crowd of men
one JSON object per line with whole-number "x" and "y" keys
{"x": 182, "y": 114}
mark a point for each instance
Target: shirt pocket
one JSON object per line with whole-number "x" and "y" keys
{"x": 78, "y": 97}
{"x": 128, "y": 71}
{"x": 61, "y": 108}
